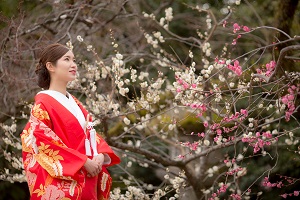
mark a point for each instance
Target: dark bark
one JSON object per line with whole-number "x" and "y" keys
{"x": 284, "y": 17}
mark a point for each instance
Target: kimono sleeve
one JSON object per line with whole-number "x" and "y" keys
{"x": 103, "y": 147}
{"x": 47, "y": 148}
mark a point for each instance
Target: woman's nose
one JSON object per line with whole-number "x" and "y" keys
{"x": 74, "y": 64}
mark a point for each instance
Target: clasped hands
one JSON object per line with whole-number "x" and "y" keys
{"x": 94, "y": 166}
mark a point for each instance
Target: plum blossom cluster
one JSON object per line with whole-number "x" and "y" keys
{"x": 154, "y": 90}
{"x": 102, "y": 103}
{"x": 150, "y": 92}
{"x": 236, "y": 68}
{"x": 239, "y": 171}
{"x": 208, "y": 22}
{"x": 233, "y": 65}
{"x": 292, "y": 140}
{"x": 164, "y": 21}
{"x": 288, "y": 100}
{"x": 212, "y": 170}
{"x": 239, "y": 116}
{"x": 267, "y": 71}
{"x": 177, "y": 183}
{"x": 192, "y": 146}
{"x": 266, "y": 183}
{"x": 236, "y": 196}
{"x": 200, "y": 107}
{"x": 10, "y": 138}
{"x": 259, "y": 140}
{"x": 220, "y": 128}
{"x": 225, "y": 187}
{"x": 221, "y": 190}
{"x": 237, "y": 28}
{"x": 15, "y": 159}
{"x": 155, "y": 39}
{"x": 234, "y": 168}
{"x": 295, "y": 193}
{"x": 12, "y": 177}
{"x": 185, "y": 82}
{"x": 169, "y": 14}
{"x": 187, "y": 86}
{"x": 131, "y": 193}
{"x": 206, "y": 48}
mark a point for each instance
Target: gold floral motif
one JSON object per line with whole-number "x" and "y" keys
{"x": 53, "y": 155}
{"x": 58, "y": 143}
{"x": 25, "y": 134}
{"x": 72, "y": 187}
{"x": 40, "y": 191}
{"x": 104, "y": 181}
{"x": 49, "y": 160}
{"x": 40, "y": 113}
{"x": 51, "y": 192}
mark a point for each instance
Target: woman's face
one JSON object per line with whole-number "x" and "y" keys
{"x": 65, "y": 68}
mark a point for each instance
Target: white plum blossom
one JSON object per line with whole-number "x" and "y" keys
{"x": 162, "y": 21}
{"x": 191, "y": 54}
{"x": 169, "y": 14}
{"x": 123, "y": 91}
{"x": 208, "y": 22}
{"x": 159, "y": 36}
{"x": 144, "y": 84}
{"x": 239, "y": 157}
{"x": 206, "y": 48}
{"x": 206, "y": 142}
{"x": 89, "y": 48}
{"x": 151, "y": 41}
{"x": 133, "y": 75}
{"x": 126, "y": 121}
{"x": 119, "y": 56}
{"x": 79, "y": 38}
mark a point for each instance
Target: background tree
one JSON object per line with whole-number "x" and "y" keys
{"x": 189, "y": 93}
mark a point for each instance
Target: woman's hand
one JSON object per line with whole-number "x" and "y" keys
{"x": 92, "y": 167}
{"x": 99, "y": 159}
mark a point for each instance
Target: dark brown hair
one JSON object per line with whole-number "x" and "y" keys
{"x": 51, "y": 53}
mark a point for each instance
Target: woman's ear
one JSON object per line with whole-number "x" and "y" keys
{"x": 50, "y": 67}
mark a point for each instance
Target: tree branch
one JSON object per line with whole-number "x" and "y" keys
{"x": 148, "y": 154}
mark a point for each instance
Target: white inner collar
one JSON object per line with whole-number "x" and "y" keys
{"x": 68, "y": 103}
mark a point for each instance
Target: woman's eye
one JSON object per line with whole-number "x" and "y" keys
{"x": 67, "y": 59}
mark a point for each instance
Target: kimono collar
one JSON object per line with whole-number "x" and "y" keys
{"x": 68, "y": 103}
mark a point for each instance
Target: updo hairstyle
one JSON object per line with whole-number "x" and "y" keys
{"x": 51, "y": 53}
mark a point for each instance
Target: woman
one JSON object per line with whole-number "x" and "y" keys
{"x": 63, "y": 156}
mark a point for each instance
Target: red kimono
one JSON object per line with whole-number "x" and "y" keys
{"x": 53, "y": 145}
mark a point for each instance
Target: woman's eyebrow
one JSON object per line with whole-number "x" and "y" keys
{"x": 69, "y": 56}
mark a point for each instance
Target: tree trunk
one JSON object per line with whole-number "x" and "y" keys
{"x": 284, "y": 17}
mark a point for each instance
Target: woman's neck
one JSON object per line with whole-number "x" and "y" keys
{"x": 62, "y": 88}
